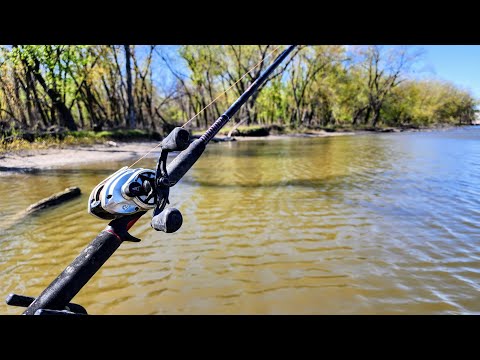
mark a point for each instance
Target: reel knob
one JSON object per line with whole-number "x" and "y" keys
{"x": 169, "y": 220}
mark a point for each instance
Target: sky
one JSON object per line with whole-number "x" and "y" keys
{"x": 459, "y": 64}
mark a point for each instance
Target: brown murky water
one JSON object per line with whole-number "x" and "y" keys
{"x": 366, "y": 224}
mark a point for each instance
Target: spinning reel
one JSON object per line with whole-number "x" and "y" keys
{"x": 130, "y": 191}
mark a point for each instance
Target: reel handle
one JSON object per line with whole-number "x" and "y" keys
{"x": 169, "y": 220}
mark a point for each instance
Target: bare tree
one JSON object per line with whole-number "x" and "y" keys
{"x": 385, "y": 68}
{"x": 131, "y": 105}
{"x": 308, "y": 65}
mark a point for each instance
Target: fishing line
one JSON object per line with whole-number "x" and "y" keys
{"x": 213, "y": 101}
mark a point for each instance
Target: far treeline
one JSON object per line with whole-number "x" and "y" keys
{"x": 157, "y": 87}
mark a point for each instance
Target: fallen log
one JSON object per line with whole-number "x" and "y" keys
{"x": 55, "y": 199}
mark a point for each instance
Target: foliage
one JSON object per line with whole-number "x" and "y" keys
{"x": 87, "y": 87}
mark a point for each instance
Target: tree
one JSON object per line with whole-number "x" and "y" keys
{"x": 311, "y": 63}
{"x": 153, "y": 87}
{"x": 53, "y": 57}
{"x": 131, "y": 104}
{"x": 383, "y": 69}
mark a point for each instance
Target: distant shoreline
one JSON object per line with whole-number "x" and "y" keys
{"x": 342, "y": 132}
{"x": 40, "y": 159}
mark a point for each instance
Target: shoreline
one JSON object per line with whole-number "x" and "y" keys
{"x": 34, "y": 160}
{"x": 41, "y": 159}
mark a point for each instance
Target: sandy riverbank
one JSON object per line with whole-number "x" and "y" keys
{"x": 50, "y": 158}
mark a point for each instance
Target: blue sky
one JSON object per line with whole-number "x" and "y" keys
{"x": 459, "y": 64}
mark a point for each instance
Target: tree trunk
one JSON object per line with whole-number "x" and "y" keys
{"x": 367, "y": 115}
{"x": 358, "y": 114}
{"x": 31, "y": 121}
{"x": 38, "y": 104}
{"x": 376, "y": 115}
{"x": 8, "y": 100}
{"x": 131, "y": 110}
{"x": 18, "y": 101}
{"x": 66, "y": 118}
{"x": 80, "y": 115}
{"x": 65, "y": 114}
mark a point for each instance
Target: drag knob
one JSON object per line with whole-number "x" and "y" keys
{"x": 169, "y": 220}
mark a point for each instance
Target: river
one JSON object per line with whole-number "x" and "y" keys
{"x": 364, "y": 224}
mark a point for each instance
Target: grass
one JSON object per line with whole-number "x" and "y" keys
{"x": 44, "y": 143}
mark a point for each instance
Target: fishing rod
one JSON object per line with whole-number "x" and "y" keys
{"x": 123, "y": 198}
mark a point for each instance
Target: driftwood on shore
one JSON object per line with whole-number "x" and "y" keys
{"x": 55, "y": 199}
